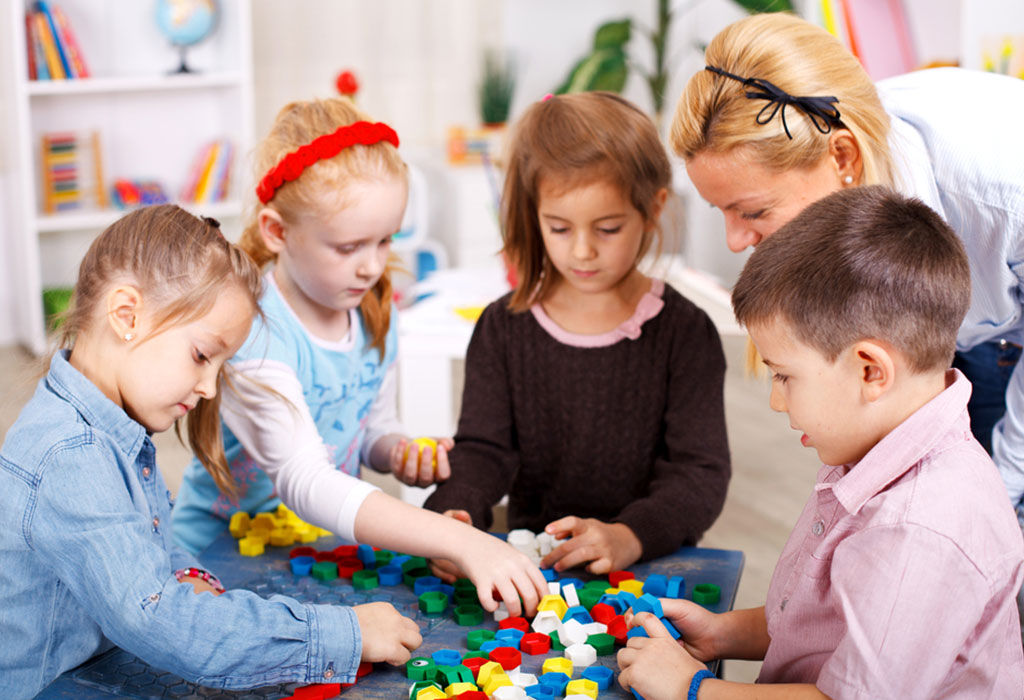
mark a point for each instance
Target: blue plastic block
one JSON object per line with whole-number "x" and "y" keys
{"x": 671, "y": 628}
{"x": 627, "y": 598}
{"x": 542, "y": 692}
{"x": 510, "y": 635}
{"x": 549, "y": 574}
{"x": 425, "y": 584}
{"x": 302, "y": 566}
{"x": 676, "y": 587}
{"x": 648, "y": 603}
{"x": 579, "y": 613}
{"x": 563, "y": 582}
{"x": 554, "y": 680}
{"x": 636, "y": 632}
{"x": 602, "y": 675}
{"x": 446, "y": 657}
{"x": 389, "y": 575}
{"x": 399, "y": 560}
{"x": 637, "y": 695}
{"x": 366, "y": 555}
{"x": 656, "y": 585}
{"x": 449, "y": 590}
{"x": 618, "y": 605}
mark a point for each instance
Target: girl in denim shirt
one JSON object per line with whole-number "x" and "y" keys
{"x": 86, "y": 557}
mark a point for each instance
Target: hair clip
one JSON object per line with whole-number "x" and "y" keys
{"x": 546, "y": 97}
{"x": 210, "y": 221}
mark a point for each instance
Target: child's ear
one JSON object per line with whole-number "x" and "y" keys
{"x": 272, "y": 229}
{"x": 123, "y": 305}
{"x": 660, "y": 197}
{"x": 875, "y": 368}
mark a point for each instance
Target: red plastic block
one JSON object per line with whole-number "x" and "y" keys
{"x": 325, "y": 555}
{"x": 473, "y": 663}
{"x": 346, "y": 550}
{"x": 508, "y": 657}
{"x": 535, "y": 643}
{"x": 472, "y": 695}
{"x": 617, "y": 576}
{"x": 602, "y": 612}
{"x": 517, "y": 623}
{"x": 319, "y": 691}
{"x": 348, "y": 566}
{"x": 302, "y": 552}
{"x": 617, "y": 628}
{"x": 364, "y": 668}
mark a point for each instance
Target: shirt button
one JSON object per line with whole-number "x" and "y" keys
{"x": 329, "y": 673}
{"x": 156, "y": 522}
{"x": 818, "y": 528}
{"x": 782, "y": 605}
{"x": 155, "y": 597}
{"x": 145, "y": 472}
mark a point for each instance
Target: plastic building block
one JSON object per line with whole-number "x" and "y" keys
{"x": 521, "y": 538}
{"x": 582, "y": 686}
{"x": 457, "y": 689}
{"x": 581, "y": 655}
{"x": 572, "y": 632}
{"x": 556, "y": 680}
{"x": 617, "y": 628}
{"x": 239, "y": 525}
{"x": 364, "y": 580}
{"x": 413, "y": 563}
{"x": 400, "y": 559}
{"x": 627, "y": 598}
{"x": 549, "y": 574}
{"x": 572, "y": 598}
{"x": 602, "y": 612}
{"x": 636, "y": 632}
{"x": 706, "y": 593}
{"x": 389, "y": 575}
{"x": 497, "y": 681}
{"x": 346, "y": 550}
{"x": 510, "y": 692}
{"x": 366, "y": 555}
{"x": 595, "y": 628}
{"x": 601, "y": 675}
{"x": 517, "y": 623}
{"x": 633, "y": 586}
{"x": 464, "y": 584}
{"x": 409, "y": 577}
{"x": 540, "y": 692}
{"x": 250, "y": 546}
{"x": 325, "y": 571}
{"x": 477, "y": 637}
{"x": 656, "y": 584}
{"x": 426, "y": 583}
{"x": 381, "y": 557}
{"x": 326, "y": 556}
{"x": 500, "y": 613}
{"x": 557, "y": 664}
{"x": 671, "y": 628}
{"x": 617, "y": 577}
{"x": 522, "y": 680}
{"x": 282, "y": 536}
{"x": 598, "y": 583}
{"x": 492, "y": 644}
{"x": 433, "y": 603}
{"x": 487, "y": 671}
{"x": 511, "y": 635}
{"x": 546, "y": 622}
{"x": 578, "y": 613}
{"x": 348, "y": 566}
{"x": 264, "y": 520}
{"x": 471, "y": 695}
{"x": 535, "y": 644}
{"x": 366, "y": 667}
{"x": 556, "y": 642}
{"x": 554, "y": 588}
{"x": 507, "y": 657}
{"x": 589, "y": 597}
{"x": 603, "y": 643}
{"x": 446, "y": 657}
{"x": 468, "y": 615}
{"x": 648, "y": 603}
{"x": 676, "y": 587}
{"x": 416, "y": 687}
{"x": 301, "y": 566}
{"x": 302, "y": 552}
{"x": 463, "y": 596}
{"x": 555, "y": 603}
{"x": 474, "y": 663}
{"x": 432, "y": 692}
{"x": 420, "y": 668}
{"x": 616, "y": 603}
{"x": 446, "y": 675}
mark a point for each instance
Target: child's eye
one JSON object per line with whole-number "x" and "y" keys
{"x": 347, "y": 249}
{"x": 558, "y": 229}
{"x": 387, "y": 241}
{"x": 782, "y": 378}
{"x": 750, "y": 216}
{"x": 614, "y": 229}
{"x": 200, "y": 358}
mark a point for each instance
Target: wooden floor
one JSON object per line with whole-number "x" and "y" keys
{"x": 772, "y": 473}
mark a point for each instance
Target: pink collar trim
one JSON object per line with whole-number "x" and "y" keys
{"x": 649, "y": 306}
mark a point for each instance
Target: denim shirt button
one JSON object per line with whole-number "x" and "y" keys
{"x": 155, "y": 597}
{"x": 156, "y": 524}
{"x": 329, "y": 673}
{"x": 146, "y": 472}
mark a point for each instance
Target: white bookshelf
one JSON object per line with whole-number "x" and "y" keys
{"x": 151, "y": 124}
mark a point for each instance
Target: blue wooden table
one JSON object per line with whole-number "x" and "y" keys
{"x": 118, "y": 674}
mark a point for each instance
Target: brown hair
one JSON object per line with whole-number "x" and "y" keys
{"x": 862, "y": 263}
{"x": 298, "y": 124}
{"x": 579, "y": 139}
{"x": 178, "y": 263}
{"x": 801, "y": 58}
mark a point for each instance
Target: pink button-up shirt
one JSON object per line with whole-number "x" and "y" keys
{"x": 900, "y": 578}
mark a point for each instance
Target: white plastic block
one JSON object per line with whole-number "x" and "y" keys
{"x": 510, "y": 692}
{"x": 570, "y": 595}
{"x": 554, "y": 588}
{"x": 501, "y": 612}
{"x": 595, "y": 628}
{"x": 546, "y": 622}
{"x": 572, "y": 632}
{"x": 545, "y": 543}
{"x": 581, "y": 655}
{"x": 523, "y": 680}
{"x": 522, "y": 538}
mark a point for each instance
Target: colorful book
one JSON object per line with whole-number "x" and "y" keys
{"x": 30, "y": 50}
{"x": 188, "y": 191}
{"x": 220, "y": 180}
{"x": 70, "y": 43}
{"x": 44, "y": 8}
{"x": 203, "y": 186}
{"x": 42, "y": 71}
{"x": 53, "y": 62}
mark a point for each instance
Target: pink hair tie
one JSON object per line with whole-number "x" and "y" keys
{"x": 546, "y": 97}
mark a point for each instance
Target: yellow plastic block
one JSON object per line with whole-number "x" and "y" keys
{"x": 470, "y": 313}
{"x": 555, "y": 603}
{"x": 240, "y": 524}
{"x": 306, "y": 534}
{"x": 612, "y": 591}
{"x": 282, "y": 536}
{"x": 431, "y": 693}
{"x": 250, "y": 546}
{"x": 582, "y": 686}
{"x": 259, "y": 534}
{"x": 497, "y": 682}
{"x": 264, "y": 521}
{"x": 488, "y": 670}
{"x": 457, "y": 688}
{"x": 632, "y": 585}
{"x": 557, "y": 664}
{"x": 284, "y": 511}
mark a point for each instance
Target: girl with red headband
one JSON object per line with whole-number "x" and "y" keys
{"x": 315, "y": 391}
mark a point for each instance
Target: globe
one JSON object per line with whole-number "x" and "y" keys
{"x": 185, "y": 23}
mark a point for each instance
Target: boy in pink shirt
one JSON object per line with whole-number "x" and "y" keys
{"x": 901, "y": 575}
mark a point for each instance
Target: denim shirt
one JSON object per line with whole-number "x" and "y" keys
{"x": 87, "y": 562}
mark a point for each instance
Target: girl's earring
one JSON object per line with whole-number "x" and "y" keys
{"x": 848, "y": 180}
{"x": 129, "y": 336}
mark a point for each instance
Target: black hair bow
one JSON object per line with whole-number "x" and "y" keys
{"x": 820, "y": 110}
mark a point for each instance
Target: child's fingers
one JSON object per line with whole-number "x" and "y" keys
{"x": 444, "y": 469}
{"x": 652, "y": 625}
{"x": 601, "y": 565}
{"x": 445, "y": 570}
{"x": 446, "y": 442}
{"x": 563, "y": 527}
{"x": 486, "y": 596}
{"x": 626, "y": 657}
{"x": 460, "y": 515}
{"x": 425, "y": 476}
{"x": 510, "y": 596}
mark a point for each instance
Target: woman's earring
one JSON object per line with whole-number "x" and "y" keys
{"x": 848, "y": 180}
{"x": 129, "y": 336}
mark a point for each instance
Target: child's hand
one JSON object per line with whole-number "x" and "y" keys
{"x": 199, "y": 585}
{"x": 495, "y": 565}
{"x": 656, "y": 666}
{"x": 699, "y": 627}
{"x": 412, "y": 461}
{"x": 608, "y": 546}
{"x": 445, "y": 569}
{"x": 387, "y": 634}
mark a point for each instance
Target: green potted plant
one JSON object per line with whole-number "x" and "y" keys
{"x": 496, "y": 90}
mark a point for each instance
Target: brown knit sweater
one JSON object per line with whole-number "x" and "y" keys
{"x": 633, "y": 432}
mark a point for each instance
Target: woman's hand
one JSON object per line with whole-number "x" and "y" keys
{"x": 412, "y": 461}
{"x": 607, "y": 546}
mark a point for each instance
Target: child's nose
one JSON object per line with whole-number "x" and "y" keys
{"x": 582, "y": 248}
{"x": 372, "y": 265}
{"x": 207, "y": 386}
{"x": 776, "y": 401}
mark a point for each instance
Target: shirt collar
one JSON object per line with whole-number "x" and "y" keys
{"x": 906, "y": 445}
{"x": 96, "y": 409}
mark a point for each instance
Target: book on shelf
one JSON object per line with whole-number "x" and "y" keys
{"x": 52, "y": 48}
{"x": 209, "y": 176}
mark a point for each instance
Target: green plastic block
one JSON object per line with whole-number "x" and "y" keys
{"x": 365, "y": 579}
{"x": 706, "y": 593}
{"x": 589, "y": 597}
{"x": 383, "y": 557}
{"x": 414, "y": 563}
{"x": 325, "y": 571}
{"x": 410, "y": 575}
{"x": 477, "y": 637}
{"x": 469, "y": 615}
{"x": 556, "y": 643}
{"x": 434, "y": 603}
{"x": 420, "y": 668}
{"x": 446, "y": 675}
{"x": 604, "y": 644}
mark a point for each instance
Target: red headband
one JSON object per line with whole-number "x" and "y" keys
{"x": 326, "y": 146}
